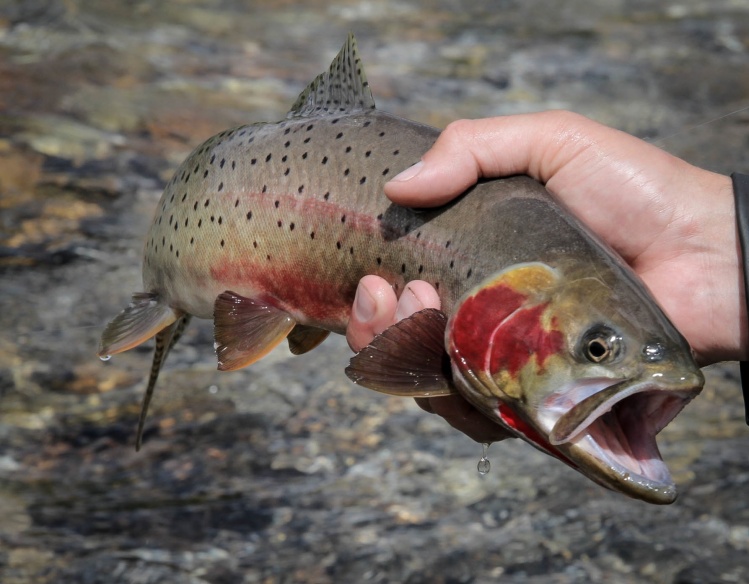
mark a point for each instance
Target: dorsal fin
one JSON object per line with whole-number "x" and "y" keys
{"x": 342, "y": 89}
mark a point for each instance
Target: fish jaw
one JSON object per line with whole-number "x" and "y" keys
{"x": 609, "y": 431}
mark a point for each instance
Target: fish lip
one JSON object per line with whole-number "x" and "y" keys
{"x": 614, "y": 443}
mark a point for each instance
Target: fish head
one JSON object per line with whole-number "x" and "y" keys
{"x": 587, "y": 369}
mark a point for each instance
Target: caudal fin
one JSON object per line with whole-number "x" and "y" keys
{"x": 145, "y": 316}
{"x": 165, "y": 340}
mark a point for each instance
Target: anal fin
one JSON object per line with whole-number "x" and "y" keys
{"x": 165, "y": 340}
{"x": 406, "y": 359}
{"x": 245, "y": 330}
{"x": 146, "y": 315}
{"x": 303, "y": 338}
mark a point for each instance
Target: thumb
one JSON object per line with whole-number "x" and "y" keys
{"x": 467, "y": 150}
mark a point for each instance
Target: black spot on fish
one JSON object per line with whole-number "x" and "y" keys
{"x": 379, "y": 217}
{"x": 381, "y": 134}
{"x": 343, "y": 218}
{"x": 187, "y": 177}
{"x": 267, "y": 158}
{"x": 470, "y": 271}
{"x": 301, "y": 189}
{"x": 207, "y": 202}
{"x": 291, "y": 227}
{"x": 324, "y": 159}
{"x": 339, "y": 136}
{"x": 205, "y": 174}
{"x": 220, "y": 186}
{"x": 403, "y": 268}
{"x": 184, "y": 197}
{"x": 249, "y": 215}
{"x": 265, "y": 188}
{"x": 186, "y": 222}
{"x": 348, "y": 149}
{"x": 379, "y": 261}
{"x": 304, "y": 156}
{"x": 287, "y": 143}
{"x": 368, "y": 153}
{"x": 346, "y": 172}
{"x": 421, "y": 269}
{"x": 163, "y": 241}
{"x": 171, "y": 247}
{"x": 362, "y": 180}
{"x": 312, "y": 235}
{"x": 213, "y": 218}
{"x": 452, "y": 264}
{"x": 326, "y": 196}
{"x": 253, "y": 161}
{"x": 222, "y": 243}
{"x": 200, "y": 223}
{"x": 254, "y": 244}
{"x": 447, "y": 245}
{"x": 171, "y": 199}
{"x": 236, "y": 203}
{"x": 171, "y": 218}
{"x": 418, "y": 234}
{"x": 396, "y": 152}
{"x": 280, "y": 223}
{"x": 306, "y": 140}
{"x": 436, "y": 285}
{"x": 335, "y": 121}
{"x": 287, "y": 131}
{"x": 384, "y": 172}
{"x": 195, "y": 206}
{"x": 192, "y": 240}
{"x": 220, "y": 220}
{"x": 276, "y": 204}
{"x": 197, "y": 167}
{"x": 338, "y": 244}
{"x": 233, "y": 164}
{"x": 213, "y": 158}
{"x": 267, "y": 257}
{"x": 223, "y": 161}
{"x": 367, "y": 123}
{"x": 351, "y": 250}
{"x": 177, "y": 252}
{"x": 310, "y": 127}
{"x": 286, "y": 172}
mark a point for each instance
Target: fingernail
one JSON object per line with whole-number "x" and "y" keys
{"x": 408, "y": 303}
{"x": 364, "y": 305}
{"x": 409, "y": 173}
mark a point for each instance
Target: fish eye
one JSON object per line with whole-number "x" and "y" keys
{"x": 601, "y": 344}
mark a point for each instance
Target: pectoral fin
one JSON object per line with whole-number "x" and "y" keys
{"x": 304, "y": 338}
{"x": 406, "y": 359}
{"x": 146, "y": 315}
{"x": 246, "y": 330}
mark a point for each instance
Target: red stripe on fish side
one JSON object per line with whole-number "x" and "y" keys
{"x": 477, "y": 319}
{"x": 289, "y": 288}
{"x": 521, "y": 337}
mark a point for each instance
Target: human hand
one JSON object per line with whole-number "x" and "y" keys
{"x": 672, "y": 222}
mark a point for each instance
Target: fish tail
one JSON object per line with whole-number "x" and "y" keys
{"x": 165, "y": 341}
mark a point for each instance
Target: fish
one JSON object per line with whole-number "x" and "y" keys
{"x": 267, "y": 228}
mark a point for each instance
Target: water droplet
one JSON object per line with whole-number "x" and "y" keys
{"x": 213, "y": 389}
{"x": 105, "y": 357}
{"x": 484, "y": 466}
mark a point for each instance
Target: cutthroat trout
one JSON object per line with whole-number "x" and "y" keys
{"x": 267, "y": 228}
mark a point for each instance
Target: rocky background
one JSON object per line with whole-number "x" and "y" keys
{"x": 286, "y": 472}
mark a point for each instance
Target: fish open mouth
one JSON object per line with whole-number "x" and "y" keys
{"x": 610, "y": 435}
